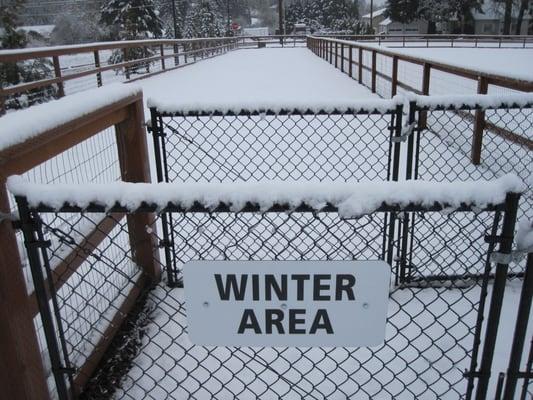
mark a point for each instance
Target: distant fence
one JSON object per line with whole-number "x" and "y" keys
{"x": 442, "y": 40}
{"x": 74, "y": 68}
{"x": 393, "y": 73}
{"x": 104, "y": 145}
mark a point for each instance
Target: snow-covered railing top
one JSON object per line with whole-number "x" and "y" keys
{"x": 350, "y": 200}
{"x": 19, "y": 126}
{"x": 272, "y": 107}
{"x": 469, "y": 102}
{"x": 181, "y": 107}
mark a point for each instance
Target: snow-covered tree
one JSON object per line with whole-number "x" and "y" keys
{"x": 26, "y": 71}
{"x": 324, "y": 15}
{"x": 164, "y": 8}
{"x": 131, "y": 20}
{"x": 204, "y": 20}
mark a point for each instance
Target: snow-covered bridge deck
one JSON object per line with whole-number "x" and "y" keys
{"x": 253, "y": 78}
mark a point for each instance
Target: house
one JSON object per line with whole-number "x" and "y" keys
{"x": 385, "y": 25}
{"x": 490, "y": 21}
{"x": 390, "y": 27}
{"x": 377, "y": 17}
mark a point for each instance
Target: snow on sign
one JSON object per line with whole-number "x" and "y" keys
{"x": 287, "y": 303}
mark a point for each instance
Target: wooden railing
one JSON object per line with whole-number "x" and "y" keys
{"x": 24, "y": 372}
{"x": 438, "y": 40}
{"x": 339, "y": 52}
{"x": 179, "y": 51}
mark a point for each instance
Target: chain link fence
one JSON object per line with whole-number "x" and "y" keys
{"x": 438, "y": 313}
{"x": 431, "y": 329}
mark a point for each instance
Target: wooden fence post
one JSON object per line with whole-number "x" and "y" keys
{"x": 342, "y": 57}
{"x": 97, "y": 65}
{"x": 374, "y": 71}
{"x": 162, "y": 51}
{"x": 394, "y": 82}
{"x": 479, "y": 124}
{"x": 22, "y": 375}
{"x": 135, "y": 167}
{"x": 360, "y": 66}
{"x": 2, "y": 102}
{"x": 57, "y": 72}
{"x": 350, "y": 61}
{"x": 426, "y": 76}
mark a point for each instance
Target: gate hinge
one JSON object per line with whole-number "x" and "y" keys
{"x": 40, "y": 243}
{"x": 475, "y": 374}
{"x": 493, "y": 239}
{"x": 165, "y": 243}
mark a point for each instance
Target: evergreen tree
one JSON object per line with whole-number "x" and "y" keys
{"x": 166, "y": 15}
{"x": 204, "y": 20}
{"x": 404, "y": 11}
{"x": 26, "y": 71}
{"x": 324, "y": 15}
{"x": 131, "y": 20}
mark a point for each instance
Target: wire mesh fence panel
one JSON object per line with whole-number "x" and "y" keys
{"x": 445, "y": 148}
{"x": 336, "y": 146}
{"x": 429, "y": 334}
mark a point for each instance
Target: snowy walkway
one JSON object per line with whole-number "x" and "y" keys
{"x": 255, "y": 77}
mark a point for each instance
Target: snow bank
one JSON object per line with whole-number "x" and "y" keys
{"x": 352, "y": 199}
{"x": 19, "y": 126}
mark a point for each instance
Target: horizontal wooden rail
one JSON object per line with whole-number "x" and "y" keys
{"x": 495, "y": 79}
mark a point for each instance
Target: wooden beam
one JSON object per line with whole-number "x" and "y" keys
{"x": 22, "y": 373}
{"x": 394, "y": 83}
{"x": 24, "y": 156}
{"x": 479, "y": 124}
{"x": 135, "y": 167}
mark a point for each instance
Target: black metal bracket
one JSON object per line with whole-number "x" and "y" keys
{"x": 165, "y": 243}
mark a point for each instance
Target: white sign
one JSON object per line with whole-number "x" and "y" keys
{"x": 287, "y": 303}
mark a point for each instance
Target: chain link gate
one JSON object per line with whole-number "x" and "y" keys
{"x": 406, "y": 236}
{"x": 254, "y": 145}
{"x": 432, "y": 321}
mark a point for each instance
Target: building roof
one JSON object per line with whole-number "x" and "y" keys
{"x": 376, "y": 13}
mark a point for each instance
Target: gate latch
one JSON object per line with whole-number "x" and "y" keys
{"x": 406, "y": 132}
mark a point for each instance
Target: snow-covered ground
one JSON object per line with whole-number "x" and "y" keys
{"x": 492, "y": 61}
{"x": 254, "y": 78}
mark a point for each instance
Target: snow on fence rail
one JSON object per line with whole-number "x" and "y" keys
{"x": 99, "y": 139}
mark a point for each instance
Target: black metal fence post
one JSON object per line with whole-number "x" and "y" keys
{"x": 498, "y": 289}
{"x": 167, "y": 243}
{"x": 522, "y": 320}
{"x": 394, "y": 156}
{"x": 33, "y": 244}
